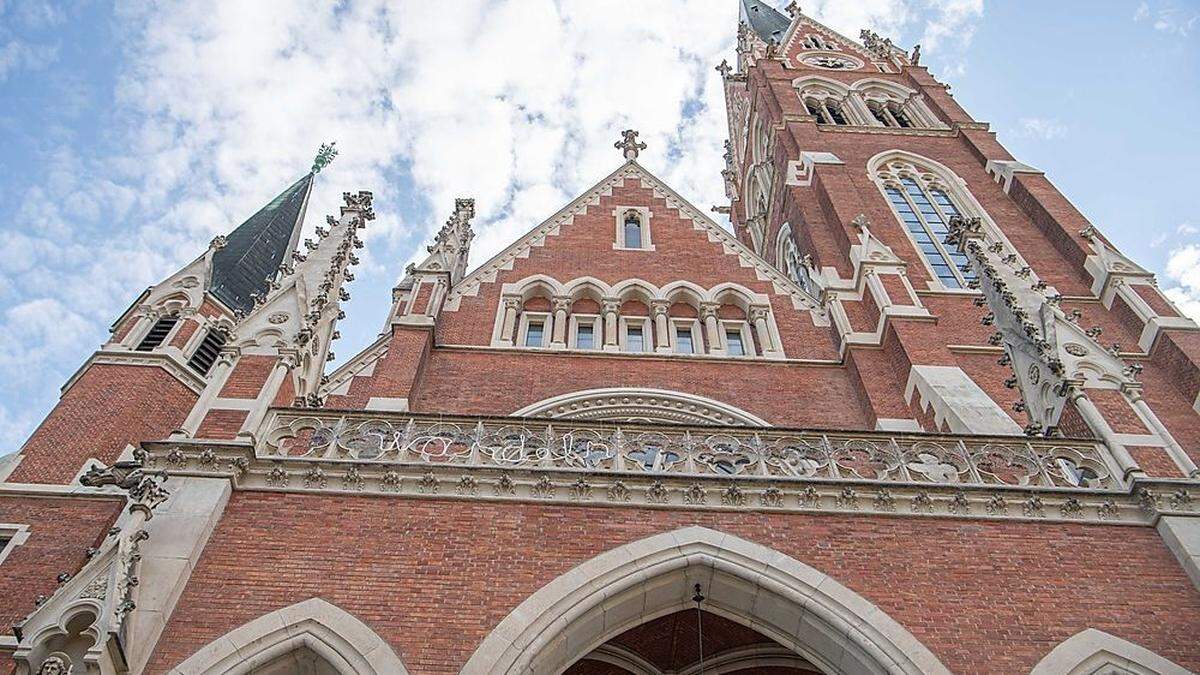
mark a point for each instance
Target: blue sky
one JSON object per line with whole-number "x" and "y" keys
{"x": 131, "y": 134}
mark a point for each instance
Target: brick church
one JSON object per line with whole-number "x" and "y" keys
{"x": 912, "y": 413}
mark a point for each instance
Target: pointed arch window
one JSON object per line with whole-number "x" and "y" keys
{"x": 633, "y": 231}
{"x": 157, "y": 334}
{"x": 791, "y": 262}
{"x": 925, "y": 212}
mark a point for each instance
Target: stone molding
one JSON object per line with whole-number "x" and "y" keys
{"x": 722, "y": 473}
{"x": 347, "y": 644}
{"x": 667, "y": 406}
{"x": 165, "y": 360}
{"x": 1091, "y": 651}
{"x": 744, "y": 581}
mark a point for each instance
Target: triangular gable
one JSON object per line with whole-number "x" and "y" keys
{"x": 765, "y": 271}
{"x": 793, "y": 32}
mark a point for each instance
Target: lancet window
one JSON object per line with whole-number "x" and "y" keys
{"x": 788, "y": 259}
{"x": 890, "y": 114}
{"x": 826, "y": 110}
{"x": 922, "y": 203}
{"x": 158, "y": 333}
{"x": 206, "y": 354}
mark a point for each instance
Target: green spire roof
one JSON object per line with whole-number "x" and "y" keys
{"x": 764, "y": 20}
{"x": 254, "y": 251}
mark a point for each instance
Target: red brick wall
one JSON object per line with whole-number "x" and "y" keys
{"x": 248, "y": 376}
{"x": 61, "y": 531}
{"x": 108, "y": 407}
{"x": 985, "y": 597}
{"x": 221, "y": 424}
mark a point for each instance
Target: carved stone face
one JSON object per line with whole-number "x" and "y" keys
{"x": 54, "y": 665}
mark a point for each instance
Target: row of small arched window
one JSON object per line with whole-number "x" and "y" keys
{"x": 831, "y": 112}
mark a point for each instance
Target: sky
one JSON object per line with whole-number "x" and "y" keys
{"x": 131, "y": 133}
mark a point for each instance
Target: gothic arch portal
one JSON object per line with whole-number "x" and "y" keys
{"x": 312, "y": 631}
{"x": 1093, "y": 651}
{"x": 781, "y": 597}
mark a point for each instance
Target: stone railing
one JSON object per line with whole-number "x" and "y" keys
{"x": 670, "y": 451}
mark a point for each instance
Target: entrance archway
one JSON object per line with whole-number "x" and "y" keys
{"x": 798, "y": 607}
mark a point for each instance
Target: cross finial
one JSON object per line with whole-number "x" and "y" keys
{"x": 724, "y": 69}
{"x": 793, "y": 9}
{"x": 325, "y": 155}
{"x": 629, "y": 144}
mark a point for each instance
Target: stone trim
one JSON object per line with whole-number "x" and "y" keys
{"x": 16, "y": 534}
{"x": 669, "y": 406}
{"x": 1141, "y": 505}
{"x": 628, "y": 585}
{"x": 165, "y": 360}
{"x": 1090, "y": 650}
{"x": 345, "y": 642}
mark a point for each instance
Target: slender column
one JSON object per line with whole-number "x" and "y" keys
{"x": 712, "y": 328}
{"x": 758, "y": 316}
{"x": 511, "y": 305}
{"x": 267, "y": 394}
{"x": 561, "y": 305}
{"x": 1095, "y": 420}
{"x": 1181, "y": 458}
{"x": 887, "y": 113}
{"x": 860, "y": 105}
{"x": 609, "y": 308}
{"x": 217, "y": 377}
{"x": 662, "y": 332}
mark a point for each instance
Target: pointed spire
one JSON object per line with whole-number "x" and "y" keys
{"x": 247, "y": 262}
{"x": 764, "y": 19}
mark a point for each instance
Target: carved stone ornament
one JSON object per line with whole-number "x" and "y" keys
{"x": 278, "y": 318}
{"x": 56, "y": 664}
{"x": 143, "y": 486}
{"x": 629, "y": 144}
{"x": 1075, "y": 349}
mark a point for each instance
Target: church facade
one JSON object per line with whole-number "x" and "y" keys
{"x": 911, "y": 414}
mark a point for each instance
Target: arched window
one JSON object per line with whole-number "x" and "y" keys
{"x": 206, "y": 354}
{"x": 789, "y": 260}
{"x": 827, "y": 111}
{"x": 925, "y": 209}
{"x": 633, "y": 230}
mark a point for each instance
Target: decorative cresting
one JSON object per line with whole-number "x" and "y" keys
{"x": 83, "y": 624}
{"x": 1092, "y": 652}
{"x": 799, "y": 607}
{"x": 345, "y": 644}
{"x": 644, "y": 405}
{"x": 515, "y": 443}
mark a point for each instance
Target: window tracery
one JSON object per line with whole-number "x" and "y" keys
{"x": 921, "y": 201}
{"x": 788, "y": 259}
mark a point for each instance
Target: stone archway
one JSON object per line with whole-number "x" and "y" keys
{"x": 1093, "y": 651}
{"x": 312, "y": 634}
{"x": 794, "y": 605}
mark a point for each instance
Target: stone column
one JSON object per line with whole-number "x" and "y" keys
{"x": 662, "y": 330}
{"x": 1181, "y": 458}
{"x": 217, "y": 377}
{"x": 266, "y": 395}
{"x": 511, "y": 305}
{"x": 1095, "y": 420}
{"x": 712, "y": 327}
{"x": 758, "y": 316}
{"x": 609, "y": 309}
{"x": 561, "y": 305}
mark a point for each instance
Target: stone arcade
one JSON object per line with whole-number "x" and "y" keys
{"x": 912, "y": 414}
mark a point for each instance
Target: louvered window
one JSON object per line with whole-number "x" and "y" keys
{"x": 158, "y": 333}
{"x": 206, "y": 354}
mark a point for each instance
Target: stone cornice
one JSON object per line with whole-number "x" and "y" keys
{"x": 886, "y": 131}
{"x": 1141, "y": 505}
{"x": 164, "y": 360}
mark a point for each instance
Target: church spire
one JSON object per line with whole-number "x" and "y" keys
{"x": 764, "y": 20}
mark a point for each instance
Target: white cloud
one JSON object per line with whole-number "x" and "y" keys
{"x": 1168, "y": 17}
{"x": 221, "y": 104}
{"x": 1183, "y": 268}
{"x": 1045, "y": 129}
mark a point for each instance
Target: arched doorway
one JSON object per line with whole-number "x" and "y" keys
{"x": 799, "y": 608}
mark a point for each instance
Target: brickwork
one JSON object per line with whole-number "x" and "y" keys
{"x": 61, "y": 531}
{"x": 248, "y": 376}
{"x": 108, "y": 407}
{"x": 223, "y": 424}
{"x": 454, "y": 570}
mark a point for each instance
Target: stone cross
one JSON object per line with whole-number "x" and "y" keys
{"x": 324, "y": 158}
{"x": 629, "y": 144}
{"x": 793, "y": 9}
{"x": 724, "y": 69}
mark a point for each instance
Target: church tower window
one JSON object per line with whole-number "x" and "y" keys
{"x": 633, "y": 231}
{"x": 826, "y": 111}
{"x": 925, "y": 212}
{"x": 206, "y": 354}
{"x": 158, "y": 333}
